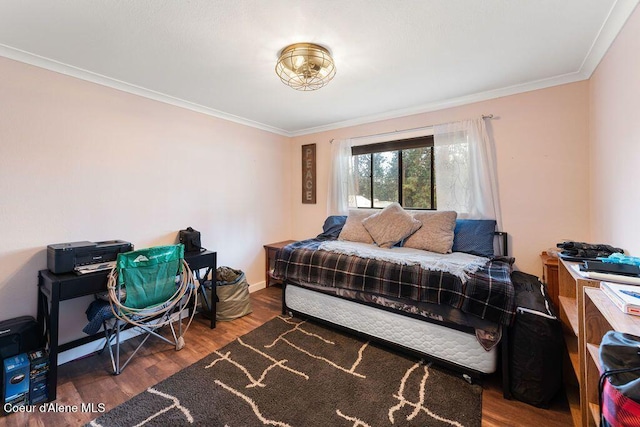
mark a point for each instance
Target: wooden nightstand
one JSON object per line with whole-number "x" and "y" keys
{"x": 270, "y": 251}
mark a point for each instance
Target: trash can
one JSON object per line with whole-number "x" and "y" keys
{"x": 233, "y": 294}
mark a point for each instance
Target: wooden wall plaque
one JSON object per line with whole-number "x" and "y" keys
{"x": 309, "y": 173}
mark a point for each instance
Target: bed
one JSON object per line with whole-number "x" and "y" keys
{"x": 450, "y": 307}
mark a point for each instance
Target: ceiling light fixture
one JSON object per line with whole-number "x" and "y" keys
{"x": 305, "y": 66}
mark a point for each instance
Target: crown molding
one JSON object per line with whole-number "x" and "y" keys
{"x": 59, "y": 67}
{"x": 449, "y": 103}
{"x": 618, "y": 15}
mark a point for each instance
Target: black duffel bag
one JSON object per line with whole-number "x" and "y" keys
{"x": 536, "y": 344}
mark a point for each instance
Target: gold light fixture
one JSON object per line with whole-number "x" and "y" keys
{"x": 305, "y": 66}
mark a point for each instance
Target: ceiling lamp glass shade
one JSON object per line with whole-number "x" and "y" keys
{"x": 305, "y": 66}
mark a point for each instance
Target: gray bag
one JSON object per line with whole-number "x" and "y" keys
{"x": 233, "y": 294}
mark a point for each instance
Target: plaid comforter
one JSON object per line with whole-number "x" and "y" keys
{"x": 488, "y": 293}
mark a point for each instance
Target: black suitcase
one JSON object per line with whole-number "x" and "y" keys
{"x": 536, "y": 343}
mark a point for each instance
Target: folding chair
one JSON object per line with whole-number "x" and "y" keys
{"x": 149, "y": 289}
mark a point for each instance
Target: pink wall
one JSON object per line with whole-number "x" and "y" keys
{"x": 542, "y": 155}
{"x": 615, "y": 142}
{"x": 79, "y": 161}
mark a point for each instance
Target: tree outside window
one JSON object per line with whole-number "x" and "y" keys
{"x": 396, "y": 171}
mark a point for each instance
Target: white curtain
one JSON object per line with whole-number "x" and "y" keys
{"x": 342, "y": 179}
{"x": 465, "y": 169}
{"x": 466, "y": 179}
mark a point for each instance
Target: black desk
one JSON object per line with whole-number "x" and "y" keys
{"x": 53, "y": 288}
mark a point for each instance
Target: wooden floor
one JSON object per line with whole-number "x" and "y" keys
{"x": 89, "y": 380}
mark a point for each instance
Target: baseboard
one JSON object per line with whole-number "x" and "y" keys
{"x": 257, "y": 286}
{"x": 92, "y": 347}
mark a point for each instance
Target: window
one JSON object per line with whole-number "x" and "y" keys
{"x": 395, "y": 171}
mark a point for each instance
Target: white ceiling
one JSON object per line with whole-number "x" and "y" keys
{"x": 393, "y": 57}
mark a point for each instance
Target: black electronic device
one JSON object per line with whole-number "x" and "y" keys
{"x": 190, "y": 238}
{"x": 19, "y": 335}
{"x": 65, "y": 257}
{"x": 611, "y": 268}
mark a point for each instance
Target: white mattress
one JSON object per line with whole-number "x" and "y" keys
{"x": 438, "y": 341}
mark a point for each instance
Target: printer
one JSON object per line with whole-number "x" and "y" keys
{"x": 67, "y": 257}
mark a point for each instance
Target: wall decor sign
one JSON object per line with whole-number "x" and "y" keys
{"x": 309, "y": 173}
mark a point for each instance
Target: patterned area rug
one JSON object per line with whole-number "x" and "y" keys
{"x": 290, "y": 372}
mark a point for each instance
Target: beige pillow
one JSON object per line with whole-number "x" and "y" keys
{"x": 436, "y": 233}
{"x": 353, "y": 230}
{"x": 390, "y": 225}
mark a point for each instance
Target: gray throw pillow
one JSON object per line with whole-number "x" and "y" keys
{"x": 390, "y": 225}
{"x": 353, "y": 230}
{"x": 436, "y": 233}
